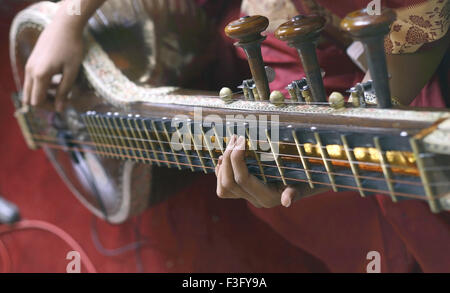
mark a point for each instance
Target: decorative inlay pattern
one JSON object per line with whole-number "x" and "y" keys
{"x": 115, "y": 87}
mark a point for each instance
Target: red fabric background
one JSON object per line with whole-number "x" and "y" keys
{"x": 196, "y": 232}
{"x": 192, "y": 232}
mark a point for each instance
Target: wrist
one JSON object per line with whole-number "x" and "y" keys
{"x": 73, "y": 15}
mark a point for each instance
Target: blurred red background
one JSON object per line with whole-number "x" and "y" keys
{"x": 203, "y": 239}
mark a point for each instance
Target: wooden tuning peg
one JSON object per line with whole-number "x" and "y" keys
{"x": 247, "y": 30}
{"x": 371, "y": 30}
{"x": 302, "y": 33}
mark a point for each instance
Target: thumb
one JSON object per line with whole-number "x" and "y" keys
{"x": 288, "y": 196}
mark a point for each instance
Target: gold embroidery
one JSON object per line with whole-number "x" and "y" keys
{"x": 415, "y": 26}
{"x": 418, "y": 25}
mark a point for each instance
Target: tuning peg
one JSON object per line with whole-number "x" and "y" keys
{"x": 337, "y": 100}
{"x": 277, "y": 98}
{"x": 226, "y": 95}
{"x": 302, "y": 33}
{"x": 358, "y": 96}
{"x": 247, "y": 30}
{"x": 371, "y": 30}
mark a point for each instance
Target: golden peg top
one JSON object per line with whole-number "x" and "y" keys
{"x": 247, "y": 28}
{"x": 361, "y": 24}
{"x": 300, "y": 28}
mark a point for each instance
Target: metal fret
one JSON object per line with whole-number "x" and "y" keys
{"x": 94, "y": 136}
{"x": 166, "y": 133}
{"x": 199, "y": 154}
{"x": 136, "y": 141}
{"x": 424, "y": 176}
{"x": 121, "y": 137}
{"x": 230, "y": 133}
{"x": 276, "y": 158}
{"x": 109, "y": 152}
{"x": 326, "y": 161}
{"x": 208, "y": 146}
{"x": 351, "y": 159}
{"x": 386, "y": 171}
{"x": 152, "y": 145}
{"x": 133, "y": 148}
{"x": 302, "y": 158}
{"x": 219, "y": 140}
{"x": 161, "y": 145}
{"x": 188, "y": 157}
{"x": 138, "y": 130}
{"x": 258, "y": 161}
{"x": 109, "y": 138}
{"x": 116, "y": 139}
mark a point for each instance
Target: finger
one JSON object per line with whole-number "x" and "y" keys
{"x": 27, "y": 88}
{"x": 69, "y": 76}
{"x": 257, "y": 190}
{"x": 223, "y": 193}
{"x": 41, "y": 84}
{"x": 226, "y": 182}
{"x": 219, "y": 163}
{"x": 217, "y": 170}
{"x": 238, "y": 147}
{"x": 226, "y": 187}
{"x": 226, "y": 173}
{"x": 288, "y": 196}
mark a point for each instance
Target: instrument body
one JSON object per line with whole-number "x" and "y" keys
{"x": 116, "y": 127}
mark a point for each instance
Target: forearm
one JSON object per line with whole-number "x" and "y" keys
{"x": 411, "y": 72}
{"x": 76, "y": 22}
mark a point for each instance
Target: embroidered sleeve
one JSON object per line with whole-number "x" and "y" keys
{"x": 418, "y": 25}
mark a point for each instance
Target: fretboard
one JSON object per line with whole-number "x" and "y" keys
{"x": 363, "y": 162}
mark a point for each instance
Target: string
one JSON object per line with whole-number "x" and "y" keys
{"x": 258, "y": 152}
{"x": 291, "y": 102}
{"x": 287, "y": 101}
{"x": 213, "y": 97}
{"x": 212, "y": 169}
{"x": 113, "y": 153}
{"x": 113, "y": 147}
{"x": 135, "y": 139}
{"x": 253, "y": 140}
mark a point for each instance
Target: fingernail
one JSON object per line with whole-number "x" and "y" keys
{"x": 287, "y": 203}
{"x": 241, "y": 143}
{"x": 232, "y": 143}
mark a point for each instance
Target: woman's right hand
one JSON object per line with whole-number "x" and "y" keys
{"x": 59, "y": 50}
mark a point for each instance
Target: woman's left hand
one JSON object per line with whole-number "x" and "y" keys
{"x": 235, "y": 182}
